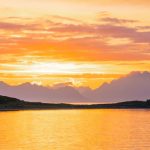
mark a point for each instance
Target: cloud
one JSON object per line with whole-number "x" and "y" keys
{"x": 11, "y": 26}
{"x": 105, "y": 30}
{"x": 117, "y": 20}
{"x": 58, "y": 85}
{"x": 143, "y": 27}
{"x": 17, "y": 26}
{"x": 71, "y": 30}
{"x": 116, "y": 2}
{"x": 74, "y": 41}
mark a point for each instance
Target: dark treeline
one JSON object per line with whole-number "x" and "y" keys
{"x": 7, "y": 103}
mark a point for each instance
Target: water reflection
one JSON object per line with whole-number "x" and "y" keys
{"x": 75, "y": 130}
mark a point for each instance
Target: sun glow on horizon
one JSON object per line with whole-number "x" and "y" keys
{"x": 81, "y": 41}
{"x": 63, "y": 68}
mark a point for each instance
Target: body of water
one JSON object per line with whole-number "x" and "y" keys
{"x": 103, "y": 129}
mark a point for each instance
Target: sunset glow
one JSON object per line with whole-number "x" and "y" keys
{"x": 83, "y": 42}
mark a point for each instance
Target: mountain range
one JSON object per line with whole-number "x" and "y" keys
{"x": 134, "y": 86}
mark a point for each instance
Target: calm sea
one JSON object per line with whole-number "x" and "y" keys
{"x": 75, "y": 130}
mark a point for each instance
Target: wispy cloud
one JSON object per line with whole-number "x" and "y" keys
{"x": 50, "y": 36}
{"x": 61, "y": 33}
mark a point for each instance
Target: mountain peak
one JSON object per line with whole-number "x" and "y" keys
{"x": 134, "y": 86}
{"x": 139, "y": 74}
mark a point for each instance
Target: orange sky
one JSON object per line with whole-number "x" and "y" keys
{"x": 80, "y": 41}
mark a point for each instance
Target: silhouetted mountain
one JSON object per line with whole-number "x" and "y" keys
{"x": 32, "y": 92}
{"x": 7, "y": 103}
{"x": 134, "y": 86}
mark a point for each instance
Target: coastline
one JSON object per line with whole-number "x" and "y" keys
{"x": 13, "y": 104}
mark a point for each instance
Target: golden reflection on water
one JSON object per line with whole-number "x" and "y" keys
{"x": 75, "y": 130}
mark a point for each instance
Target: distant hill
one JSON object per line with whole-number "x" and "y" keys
{"x": 134, "y": 86}
{"x": 37, "y": 93}
{"x": 8, "y": 104}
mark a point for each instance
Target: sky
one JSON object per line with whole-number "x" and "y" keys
{"x": 85, "y": 42}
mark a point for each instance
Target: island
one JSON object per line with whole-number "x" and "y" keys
{"x": 11, "y": 104}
